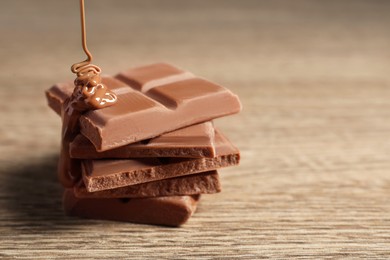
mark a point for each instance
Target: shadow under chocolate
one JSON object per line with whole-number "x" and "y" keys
{"x": 33, "y": 197}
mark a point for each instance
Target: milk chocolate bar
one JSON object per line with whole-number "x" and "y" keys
{"x": 110, "y": 174}
{"x": 159, "y": 98}
{"x": 193, "y": 142}
{"x": 202, "y": 183}
{"x": 168, "y": 211}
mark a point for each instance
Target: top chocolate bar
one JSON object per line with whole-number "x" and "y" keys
{"x": 195, "y": 141}
{"x": 153, "y": 100}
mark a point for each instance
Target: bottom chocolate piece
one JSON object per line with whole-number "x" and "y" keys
{"x": 168, "y": 211}
{"x": 202, "y": 183}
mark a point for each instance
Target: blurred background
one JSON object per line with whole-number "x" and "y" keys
{"x": 245, "y": 45}
{"x": 313, "y": 77}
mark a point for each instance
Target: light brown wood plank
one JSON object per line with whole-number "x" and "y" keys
{"x": 313, "y": 77}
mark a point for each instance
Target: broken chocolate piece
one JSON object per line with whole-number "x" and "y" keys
{"x": 202, "y": 183}
{"x": 193, "y": 141}
{"x": 109, "y": 174}
{"x": 168, "y": 211}
{"x": 154, "y": 107}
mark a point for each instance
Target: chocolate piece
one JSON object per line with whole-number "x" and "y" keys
{"x": 109, "y": 174}
{"x": 164, "y": 99}
{"x": 192, "y": 142}
{"x": 169, "y": 211}
{"x": 57, "y": 94}
{"x": 202, "y": 183}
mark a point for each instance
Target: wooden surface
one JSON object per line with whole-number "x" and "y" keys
{"x": 313, "y": 77}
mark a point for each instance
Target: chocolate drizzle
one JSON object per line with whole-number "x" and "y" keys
{"x": 89, "y": 94}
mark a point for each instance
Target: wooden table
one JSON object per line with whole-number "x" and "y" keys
{"x": 313, "y": 77}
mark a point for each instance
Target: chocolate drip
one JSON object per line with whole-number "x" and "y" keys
{"x": 89, "y": 94}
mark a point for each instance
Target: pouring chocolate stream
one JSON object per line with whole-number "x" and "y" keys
{"x": 89, "y": 94}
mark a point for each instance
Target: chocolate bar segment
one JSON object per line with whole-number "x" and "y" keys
{"x": 202, "y": 183}
{"x": 193, "y": 142}
{"x": 147, "y": 77}
{"x": 168, "y": 211}
{"x": 148, "y": 109}
{"x": 110, "y": 174}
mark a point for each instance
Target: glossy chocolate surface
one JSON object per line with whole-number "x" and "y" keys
{"x": 159, "y": 98}
{"x": 193, "y": 141}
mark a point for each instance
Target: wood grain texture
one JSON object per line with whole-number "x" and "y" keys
{"x": 313, "y": 77}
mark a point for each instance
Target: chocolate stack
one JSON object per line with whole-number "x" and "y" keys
{"x": 148, "y": 158}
